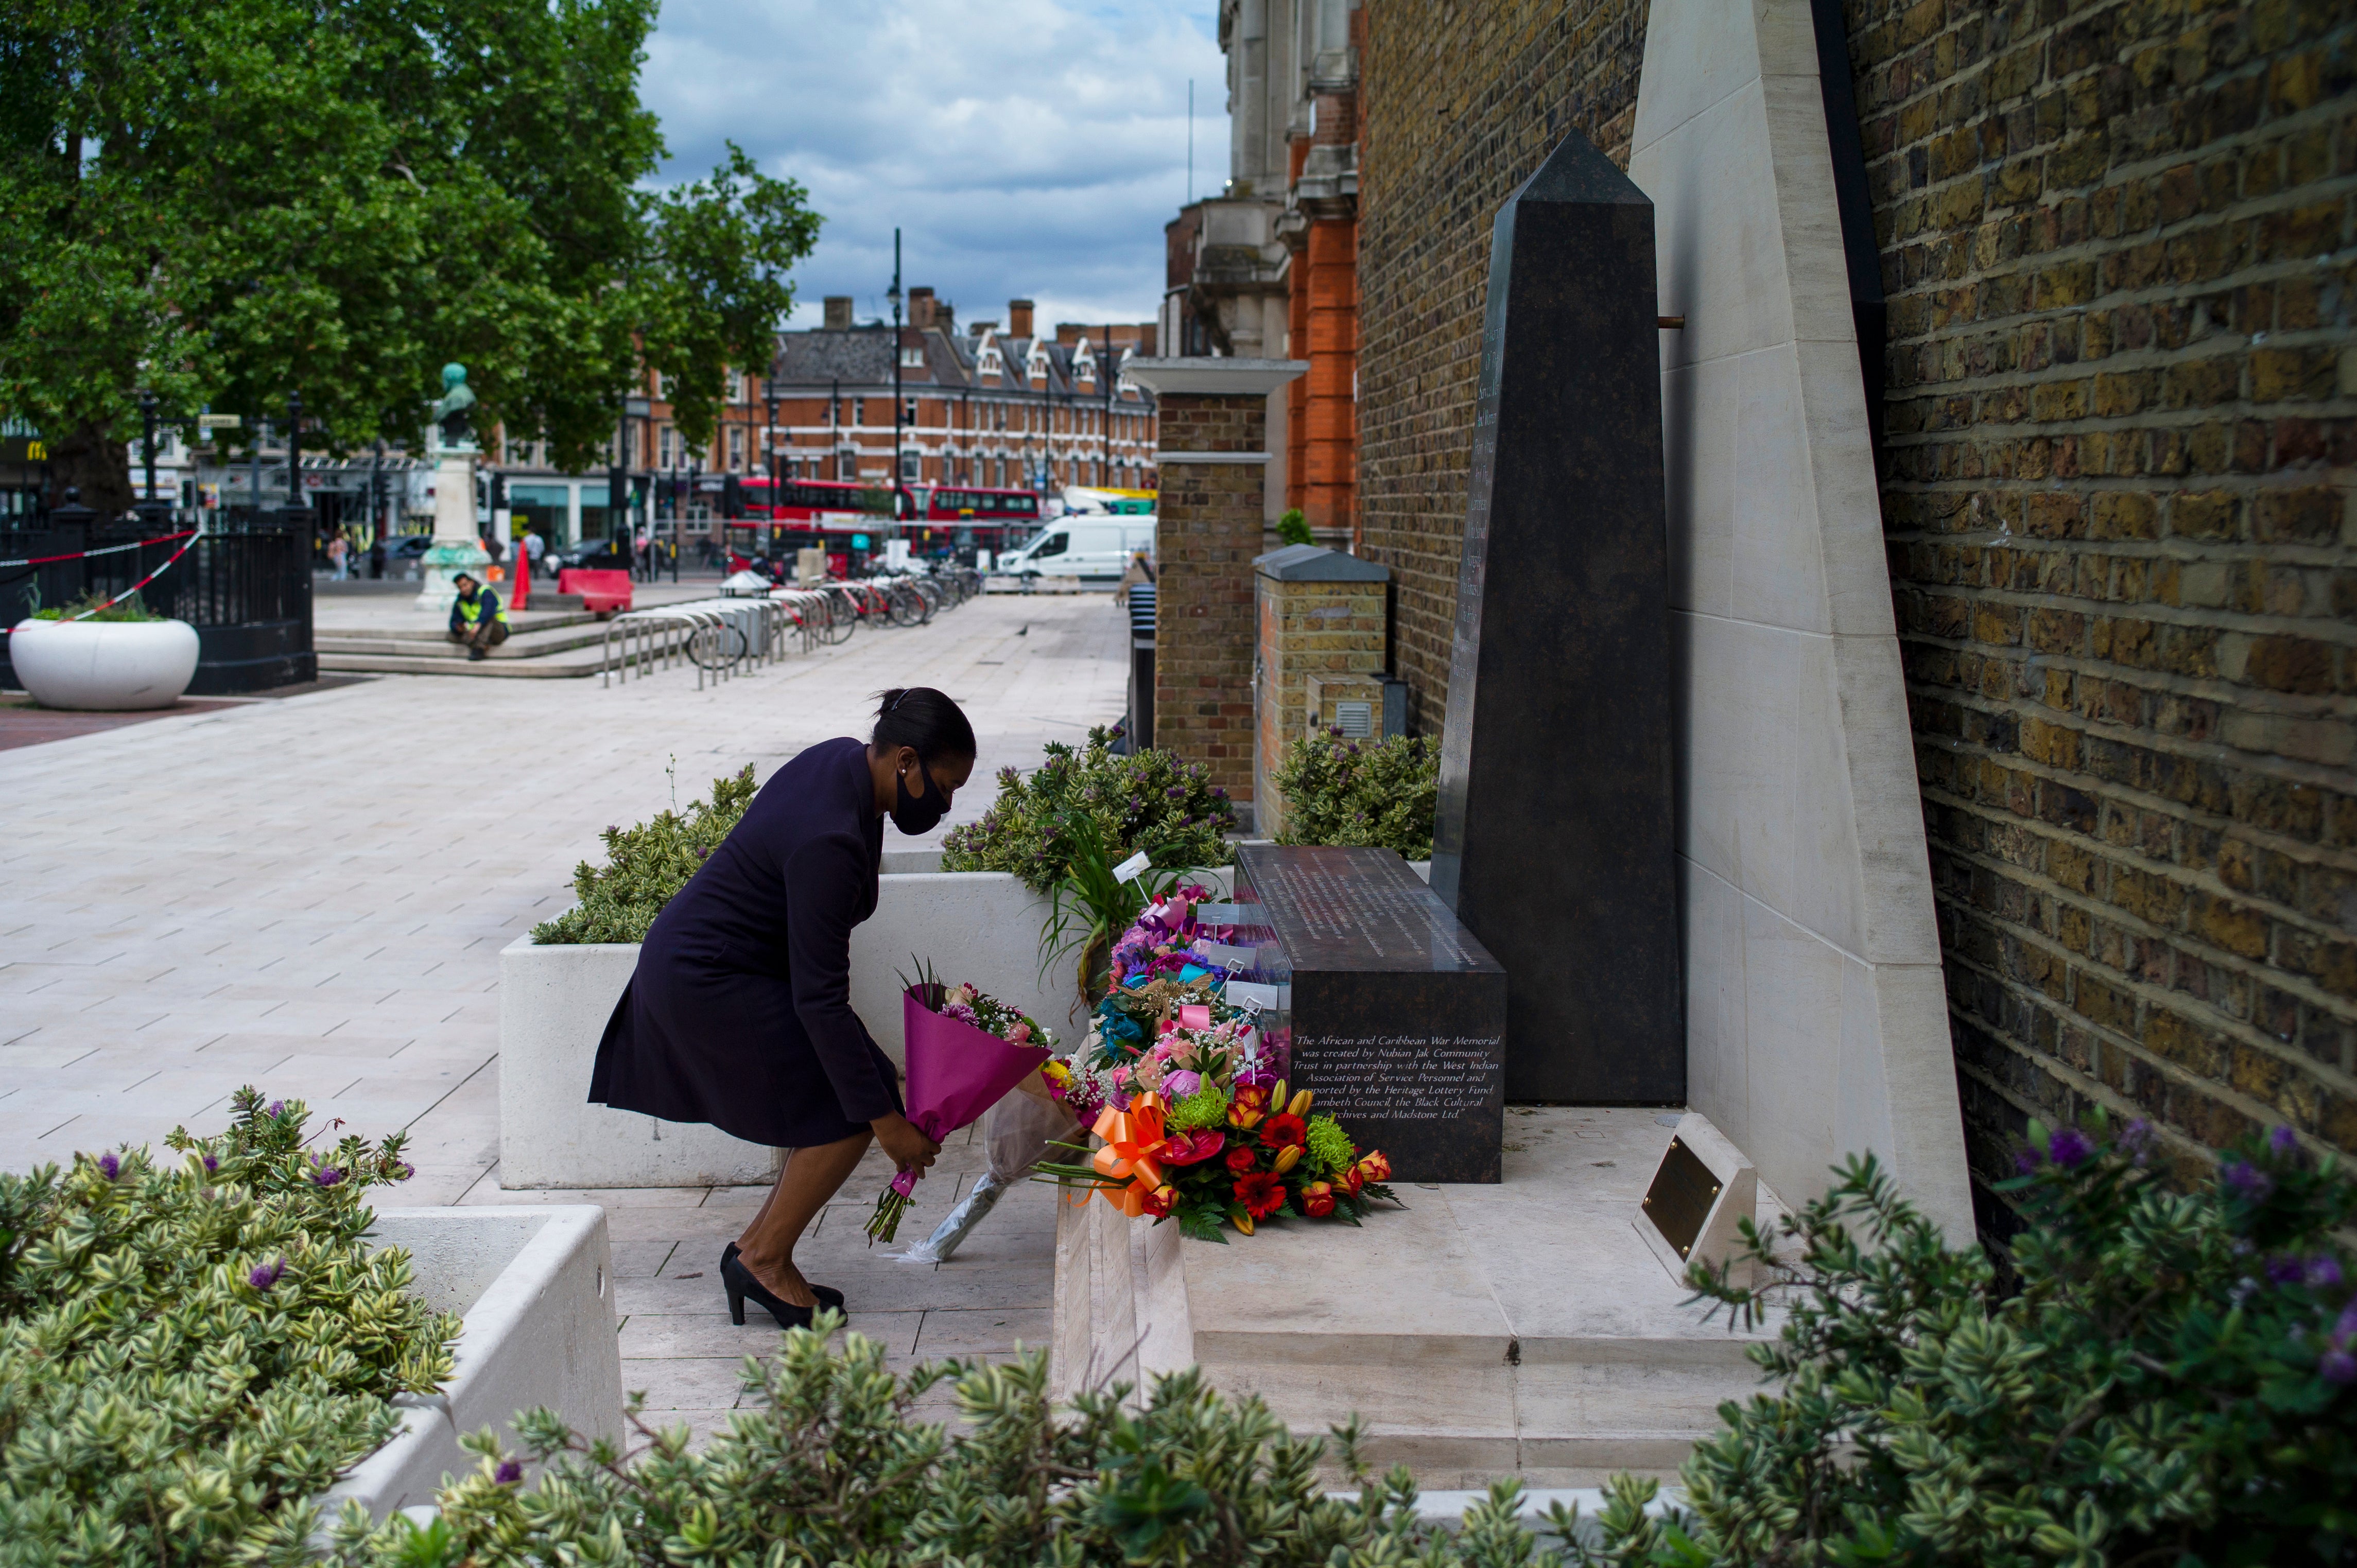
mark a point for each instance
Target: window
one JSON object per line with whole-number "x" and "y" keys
{"x": 859, "y": 411}
{"x": 1055, "y": 543}
{"x": 909, "y": 413}
{"x": 735, "y": 448}
{"x": 846, "y": 465}
{"x": 911, "y": 465}
{"x": 666, "y": 447}
{"x": 912, "y": 359}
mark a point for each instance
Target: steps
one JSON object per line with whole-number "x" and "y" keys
{"x": 541, "y": 645}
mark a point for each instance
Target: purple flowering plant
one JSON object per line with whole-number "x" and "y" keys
{"x": 2166, "y": 1374}
{"x": 131, "y": 1279}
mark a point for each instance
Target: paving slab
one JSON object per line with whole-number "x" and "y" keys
{"x": 309, "y": 895}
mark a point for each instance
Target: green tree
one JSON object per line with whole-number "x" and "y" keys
{"x": 230, "y": 202}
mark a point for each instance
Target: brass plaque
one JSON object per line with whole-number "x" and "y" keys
{"x": 1680, "y": 1198}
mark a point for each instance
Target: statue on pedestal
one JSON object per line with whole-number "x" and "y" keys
{"x": 456, "y": 548}
{"x": 455, "y": 412}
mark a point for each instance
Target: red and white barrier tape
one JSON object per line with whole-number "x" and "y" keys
{"x": 103, "y": 550}
{"x": 191, "y": 535}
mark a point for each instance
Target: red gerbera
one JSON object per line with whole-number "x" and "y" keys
{"x": 1240, "y": 1159}
{"x": 1261, "y": 1194}
{"x": 1284, "y": 1130}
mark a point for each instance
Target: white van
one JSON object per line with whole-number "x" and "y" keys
{"x": 1083, "y": 547}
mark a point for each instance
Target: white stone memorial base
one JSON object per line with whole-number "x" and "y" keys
{"x": 1518, "y": 1330}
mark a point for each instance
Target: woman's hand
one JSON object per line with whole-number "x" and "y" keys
{"x": 910, "y": 1150}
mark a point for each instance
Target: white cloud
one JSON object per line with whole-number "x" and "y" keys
{"x": 1026, "y": 148}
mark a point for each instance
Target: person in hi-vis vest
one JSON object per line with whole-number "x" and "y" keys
{"x": 477, "y": 618}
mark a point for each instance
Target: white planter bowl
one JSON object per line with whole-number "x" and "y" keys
{"x": 104, "y": 666}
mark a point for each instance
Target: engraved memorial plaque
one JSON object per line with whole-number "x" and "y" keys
{"x": 1392, "y": 1010}
{"x": 1680, "y": 1198}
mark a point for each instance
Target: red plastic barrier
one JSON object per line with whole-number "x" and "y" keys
{"x": 602, "y": 591}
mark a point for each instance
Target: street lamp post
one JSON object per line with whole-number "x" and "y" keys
{"x": 896, "y": 411}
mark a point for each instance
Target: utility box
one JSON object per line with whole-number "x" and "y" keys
{"x": 1322, "y": 616}
{"x": 810, "y": 566}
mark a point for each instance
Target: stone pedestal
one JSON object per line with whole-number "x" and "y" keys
{"x": 1321, "y": 617}
{"x": 455, "y": 546}
{"x": 1214, "y": 464}
{"x": 1386, "y": 1007}
{"x": 1521, "y": 1330}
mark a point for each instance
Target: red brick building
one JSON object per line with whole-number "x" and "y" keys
{"x": 1269, "y": 268}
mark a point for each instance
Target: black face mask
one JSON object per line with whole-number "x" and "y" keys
{"x": 920, "y": 813}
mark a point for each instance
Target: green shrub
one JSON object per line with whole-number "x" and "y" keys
{"x": 1150, "y": 801}
{"x": 1294, "y": 527}
{"x": 832, "y": 1468}
{"x": 2173, "y": 1382}
{"x": 646, "y": 866}
{"x": 1379, "y": 792}
{"x": 93, "y": 605}
{"x": 190, "y": 1351}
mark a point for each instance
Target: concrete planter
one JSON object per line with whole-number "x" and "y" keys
{"x": 103, "y": 666}
{"x": 535, "y": 1287}
{"x": 977, "y": 926}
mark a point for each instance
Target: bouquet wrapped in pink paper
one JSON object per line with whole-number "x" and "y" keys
{"x": 965, "y": 1051}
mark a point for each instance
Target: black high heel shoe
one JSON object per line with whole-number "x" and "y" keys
{"x": 738, "y": 1281}
{"x": 828, "y": 1296}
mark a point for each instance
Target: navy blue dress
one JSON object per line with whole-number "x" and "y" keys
{"x": 739, "y": 1012}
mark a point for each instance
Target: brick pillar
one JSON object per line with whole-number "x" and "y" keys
{"x": 1321, "y": 638}
{"x": 1213, "y": 466}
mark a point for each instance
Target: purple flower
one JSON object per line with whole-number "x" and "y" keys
{"x": 2283, "y": 1140}
{"x": 277, "y": 1107}
{"x": 509, "y": 1473}
{"x": 403, "y": 1171}
{"x": 2286, "y": 1271}
{"x": 2069, "y": 1147}
{"x": 1218, "y": 793}
{"x": 2323, "y": 1272}
{"x": 266, "y": 1274}
{"x": 211, "y": 1164}
{"x": 2337, "y": 1366}
{"x": 110, "y": 1166}
{"x": 327, "y": 1175}
{"x": 2248, "y": 1181}
{"x": 2345, "y": 1328}
{"x": 2028, "y": 1160}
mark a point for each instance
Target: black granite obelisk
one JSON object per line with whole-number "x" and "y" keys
{"x": 1554, "y": 840}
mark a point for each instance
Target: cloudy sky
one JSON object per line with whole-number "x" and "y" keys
{"x": 1026, "y": 148}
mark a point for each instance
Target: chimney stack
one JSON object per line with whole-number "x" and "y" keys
{"x": 921, "y": 308}
{"x": 1018, "y": 318}
{"x": 838, "y": 312}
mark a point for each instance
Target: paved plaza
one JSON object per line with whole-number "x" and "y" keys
{"x": 309, "y": 895}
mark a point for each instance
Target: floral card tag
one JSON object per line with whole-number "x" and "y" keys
{"x": 1129, "y": 868}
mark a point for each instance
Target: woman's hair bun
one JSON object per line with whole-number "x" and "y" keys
{"x": 921, "y": 718}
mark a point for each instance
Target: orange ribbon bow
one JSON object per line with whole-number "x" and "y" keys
{"x": 1132, "y": 1139}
